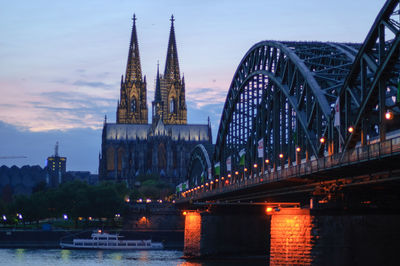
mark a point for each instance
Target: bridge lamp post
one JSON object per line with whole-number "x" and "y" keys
{"x": 236, "y": 176}
{"x": 298, "y": 150}
{"x": 255, "y": 169}
{"x": 244, "y": 173}
{"x": 389, "y": 115}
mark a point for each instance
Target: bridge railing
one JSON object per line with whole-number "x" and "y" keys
{"x": 365, "y": 153}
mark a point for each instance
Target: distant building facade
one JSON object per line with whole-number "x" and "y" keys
{"x": 56, "y": 169}
{"x": 131, "y": 146}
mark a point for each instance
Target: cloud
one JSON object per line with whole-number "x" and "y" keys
{"x": 94, "y": 84}
{"x": 200, "y": 97}
{"x": 80, "y": 146}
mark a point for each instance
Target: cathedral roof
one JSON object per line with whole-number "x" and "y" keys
{"x": 131, "y": 132}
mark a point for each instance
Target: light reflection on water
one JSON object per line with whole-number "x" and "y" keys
{"x": 62, "y": 257}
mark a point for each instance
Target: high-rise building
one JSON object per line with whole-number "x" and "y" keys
{"x": 56, "y": 169}
{"x": 131, "y": 146}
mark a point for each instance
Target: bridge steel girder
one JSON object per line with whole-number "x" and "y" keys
{"x": 370, "y": 89}
{"x": 283, "y": 92}
{"x": 198, "y": 155}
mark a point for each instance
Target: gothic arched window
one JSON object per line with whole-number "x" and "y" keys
{"x": 172, "y": 105}
{"x": 133, "y": 105}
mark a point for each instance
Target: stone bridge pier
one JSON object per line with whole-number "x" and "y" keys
{"x": 226, "y": 231}
{"x": 294, "y": 236}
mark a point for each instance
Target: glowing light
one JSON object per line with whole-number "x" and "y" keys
{"x": 19, "y": 216}
{"x": 211, "y": 182}
{"x": 281, "y": 155}
{"x": 229, "y": 175}
{"x": 350, "y": 129}
{"x": 298, "y": 149}
{"x": 269, "y": 209}
{"x": 389, "y": 115}
{"x": 255, "y": 165}
{"x": 117, "y": 215}
{"x": 216, "y": 180}
{"x": 184, "y": 213}
{"x": 4, "y": 218}
{"x": 65, "y": 217}
{"x": 80, "y": 218}
{"x": 202, "y": 186}
{"x": 99, "y": 231}
{"x": 266, "y": 161}
{"x": 206, "y": 184}
{"x": 148, "y": 200}
{"x": 139, "y": 201}
{"x": 236, "y": 173}
{"x": 127, "y": 199}
{"x": 226, "y": 181}
{"x": 222, "y": 178}
{"x": 90, "y": 218}
{"x": 261, "y": 179}
{"x": 245, "y": 169}
{"x": 322, "y": 140}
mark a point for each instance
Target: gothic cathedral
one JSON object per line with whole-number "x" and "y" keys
{"x": 131, "y": 146}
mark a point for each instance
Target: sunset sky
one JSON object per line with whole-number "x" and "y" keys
{"x": 61, "y": 61}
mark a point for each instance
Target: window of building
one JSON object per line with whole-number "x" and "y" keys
{"x": 172, "y": 105}
{"x": 133, "y": 105}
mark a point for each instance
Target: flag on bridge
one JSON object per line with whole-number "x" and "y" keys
{"x": 260, "y": 148}
{"x": 217, "y": 169}
{"x": 229, "y": 163}
{"x": 337, "y": 113}
{"x": 398, "y": 91}
{"x": 242, "y": 154}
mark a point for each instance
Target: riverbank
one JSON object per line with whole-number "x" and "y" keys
{"x": 51, "y": 239}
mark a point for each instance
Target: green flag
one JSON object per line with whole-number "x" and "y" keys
{"x": 217, "y": 169}
{"x": 242, "y": 154}
{"x": 398, "y": 92}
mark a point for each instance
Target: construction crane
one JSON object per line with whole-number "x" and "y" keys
{"x": 12, "y": 157}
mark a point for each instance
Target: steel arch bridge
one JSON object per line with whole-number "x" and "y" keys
{"x": 285, "y": 94}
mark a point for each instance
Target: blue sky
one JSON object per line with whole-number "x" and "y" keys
{"x": 61, "y": 61}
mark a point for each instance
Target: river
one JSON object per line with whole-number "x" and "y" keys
{"x": 62, "y": 257}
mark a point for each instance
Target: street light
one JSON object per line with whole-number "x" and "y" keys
{"x": 255, "y": 165}
{"x": 298, "y": 149}
{"x": 266, "y": 161}
{"x": 65, "y": 217}
{"x": 322, "y": 140}
{"x": 281, "y": 155}
{"x": 350, "y": 129}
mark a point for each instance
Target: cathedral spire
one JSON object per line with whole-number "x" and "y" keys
{"x": 157, "y": 96}
{"x": 133, "y": 69}
{"x": 172, "y": 65}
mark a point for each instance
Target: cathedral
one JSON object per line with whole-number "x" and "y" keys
{"x": 132, "y": 146}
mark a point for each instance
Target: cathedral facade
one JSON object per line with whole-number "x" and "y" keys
{"x": 132, "y": 146}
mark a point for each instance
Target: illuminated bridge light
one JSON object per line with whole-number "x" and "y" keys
{"x": 281, "y": 155}
{"x": 229, "y": 175}
{"x": 266, "y": 161}
{"x": 298, "y": 149}
{"x": 255, "y": 165}
{"x": 236, "y": 173}
{"x": 245, "y": 169}
{"x": 350, "y": 129}
{"x": 389, "y": 115}
{"x": 322, "y": 140}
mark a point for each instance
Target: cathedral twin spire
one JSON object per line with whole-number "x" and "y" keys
{"x": 169, "y": 101}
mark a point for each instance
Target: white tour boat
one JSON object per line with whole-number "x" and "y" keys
{"x": 102, "y": 240}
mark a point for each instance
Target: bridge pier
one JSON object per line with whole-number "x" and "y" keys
{"x": 226, "y": 231}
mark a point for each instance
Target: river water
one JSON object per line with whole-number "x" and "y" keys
{"x": 62, "y": 257}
